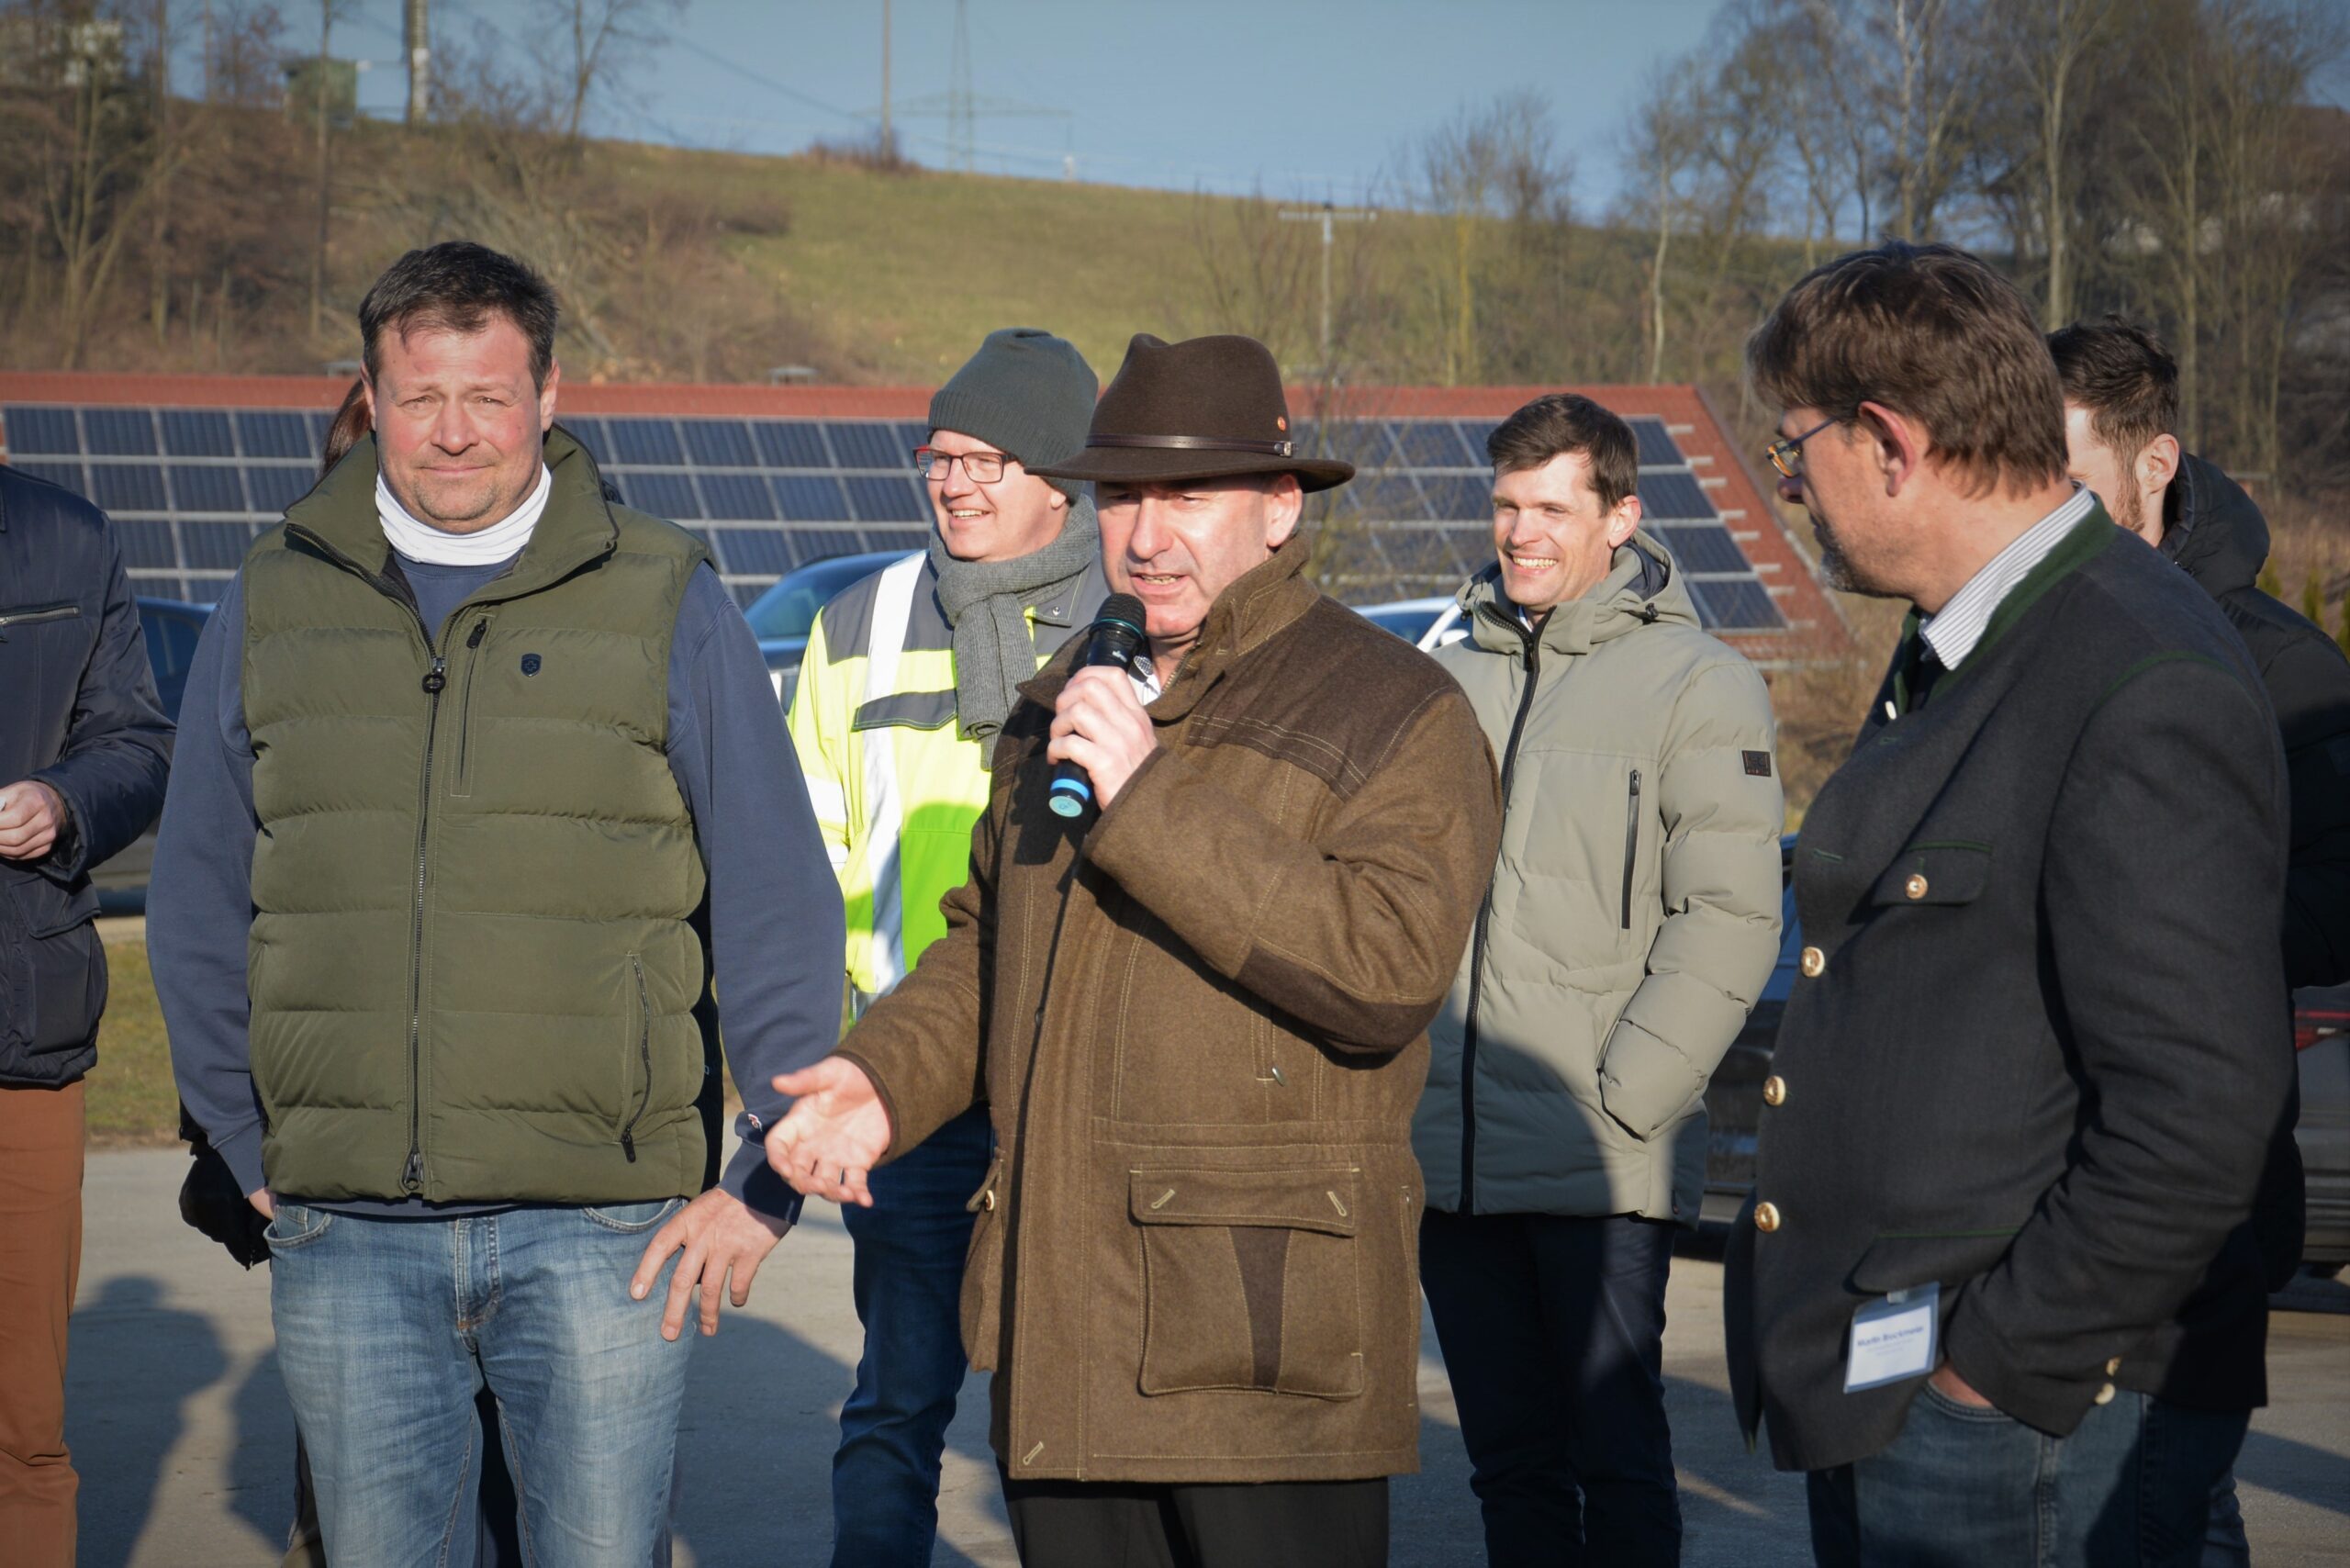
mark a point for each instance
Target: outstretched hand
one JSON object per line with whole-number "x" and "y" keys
{"x": 835, "y": 1133}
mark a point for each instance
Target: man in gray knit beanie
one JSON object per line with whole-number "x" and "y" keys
{"x": 907, "y": 678}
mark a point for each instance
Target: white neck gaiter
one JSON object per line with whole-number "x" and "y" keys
{"x": 436, "y": 547}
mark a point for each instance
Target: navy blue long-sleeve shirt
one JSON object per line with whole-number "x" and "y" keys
{"x": 774, "y": 906}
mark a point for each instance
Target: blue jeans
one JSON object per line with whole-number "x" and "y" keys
{"x": 908, "y": 1281}
{"x": 1961, "y": 1487}
{"x": 387, "y": 1328}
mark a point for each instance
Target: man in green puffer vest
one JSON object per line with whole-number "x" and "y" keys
{"x": 488, "y": 786}
{"x": 1631, "y": 921}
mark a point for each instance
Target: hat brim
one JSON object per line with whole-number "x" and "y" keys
{"x": 1151, "y": 466}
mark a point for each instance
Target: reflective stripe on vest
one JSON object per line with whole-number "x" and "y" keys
{"x": 892, "y": 606}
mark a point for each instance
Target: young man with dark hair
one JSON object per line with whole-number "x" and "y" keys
{"x": 908, "y": 677}
{"x": 1625, "y": 935}
{"x": 1198, "y": 1019}
{"x": 1993, "y": 1290}
{"x": 487, "y": 781}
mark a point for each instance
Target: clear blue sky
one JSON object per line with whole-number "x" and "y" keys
{"x": 1309, "y": 98}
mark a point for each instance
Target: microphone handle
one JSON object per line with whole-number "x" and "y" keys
{"x": 1070, "y": 794}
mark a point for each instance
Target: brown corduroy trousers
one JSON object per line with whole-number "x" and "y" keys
{"x": 40, "y": 1255}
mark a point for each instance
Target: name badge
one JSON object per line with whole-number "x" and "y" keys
{"x": 1893, "y": 1339}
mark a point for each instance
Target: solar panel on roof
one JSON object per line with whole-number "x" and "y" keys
{"x": 747, "y": 594}
{"x": 811, "y": 497}
{"x": 652, "y": 443}
{"x": 1735, "y": 606}
{"x": 757, "y": 551}
{"x": 667, "y": 496}
{"x": 910, "y": 436}
{"x": 867, "y": 445}
{"x": 1657, "y": 448}
{"x": 898, "y": 538}
{"x": 1473, "y": 435}
{"x": 738, "y": 496}
{"x": 820, "y": 544}
{"x": 128, "y": 487}
{"x": 221, "y": 544}
{"x": 1388, "y": 498}
{"x": 885, "y": 499}
{"x": 1433, "y": 443}
{"x": 272, "y": 432}
{"x": 278, "y": 486}
{"x": 69, "y": 475}
{"x": 42, "y": 433}
{"x": 1423, "y": 553}
{"x": 204, "y": 589}
{"x": 719, "y": 444}
{"x": 1459, "y": 498}
{"x": 206, "y": 487}
{"x": 1671, "y": 496}
{"x": 147, "y": 543}
{"x": 588, "y": 433}
{"x": 1705, "y": 549}
{"x": 790, "y": 444}
{"x": 119, "y": 432}
{"x": 198, "y": 432}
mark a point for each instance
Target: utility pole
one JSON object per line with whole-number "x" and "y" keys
{"x": 318, "y": 91}
{"x": 889, "y": 148}
{"x": 1328, "y": 217}
{"x": 420, "y": 65}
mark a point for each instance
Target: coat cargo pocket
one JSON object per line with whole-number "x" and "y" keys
{"x": 1250, "y": 1281}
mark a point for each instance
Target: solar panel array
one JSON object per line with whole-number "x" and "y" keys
{"x": 189, "y": 489}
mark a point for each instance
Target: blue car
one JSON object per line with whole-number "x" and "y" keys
{"x": 785, "y": 615}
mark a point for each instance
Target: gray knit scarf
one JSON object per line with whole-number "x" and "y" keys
{"x": 986, "y": 604}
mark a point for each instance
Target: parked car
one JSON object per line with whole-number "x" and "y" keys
{"x": 171, "y": 628}
{"x": 1425, "y": 623}
{"x": 2322, "y": 1046}
{"x": 785, "y": 615}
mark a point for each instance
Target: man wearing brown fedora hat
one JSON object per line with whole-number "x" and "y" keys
{"x": 1199, "y": 1021}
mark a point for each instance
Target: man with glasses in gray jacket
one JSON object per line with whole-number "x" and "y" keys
{"x": 1633, "y": 919}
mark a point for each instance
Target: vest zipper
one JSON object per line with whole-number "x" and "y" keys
{"x": 1477, "y": 946}
{"x": 644, "y": 1057}
{"x": 1631, "y": 842}
{"x": 35, "y": 616}
{"x": 436, "y": 679}
{"x": 465, "y": 711}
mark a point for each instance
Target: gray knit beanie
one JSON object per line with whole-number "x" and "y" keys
{"x": 1026, "y": 392}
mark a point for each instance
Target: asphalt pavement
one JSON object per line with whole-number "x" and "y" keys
{"x": 180, "y": 1428}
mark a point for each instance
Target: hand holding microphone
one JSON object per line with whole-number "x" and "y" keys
{"x": 1100, "y": 732}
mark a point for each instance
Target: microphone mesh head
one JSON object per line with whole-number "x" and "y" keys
{"x": 1123, "y": 607}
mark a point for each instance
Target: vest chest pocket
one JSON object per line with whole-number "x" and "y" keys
{"x": 1250, "y": 1281}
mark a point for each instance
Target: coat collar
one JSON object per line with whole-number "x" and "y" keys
{"x": 1641, "y": 589}
{"x": 576, "y": 529}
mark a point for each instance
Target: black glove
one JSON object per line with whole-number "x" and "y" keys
{"x": 210, "y": 1202}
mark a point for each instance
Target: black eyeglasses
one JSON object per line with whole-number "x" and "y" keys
{"x": 1786, "y": 455}
{"x": 980, "y": 467}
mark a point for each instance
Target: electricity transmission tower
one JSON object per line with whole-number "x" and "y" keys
{"x": 960, "y": 107}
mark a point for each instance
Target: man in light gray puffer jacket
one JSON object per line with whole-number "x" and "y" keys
{"x": 1633, "y": 917}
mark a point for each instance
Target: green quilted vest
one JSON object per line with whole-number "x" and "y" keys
{"x": 472, "y": 970}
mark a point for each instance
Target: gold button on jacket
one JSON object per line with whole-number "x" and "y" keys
{"x": 1766, "y": 1216}
{"x": 1774, "y": 1090}
{"x": 1916, "y": 886}
{"x": 1814, "y": 962}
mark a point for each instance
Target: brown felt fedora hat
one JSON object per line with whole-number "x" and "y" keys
{"x": 1203, "y": 409}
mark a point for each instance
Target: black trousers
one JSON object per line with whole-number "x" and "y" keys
{"x": 1274, "y": 1524}
{"x": 1552, "y": 1328}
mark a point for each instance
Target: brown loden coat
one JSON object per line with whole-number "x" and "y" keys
{"x": 1203, "y": 1030}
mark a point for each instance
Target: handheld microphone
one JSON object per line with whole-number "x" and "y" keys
{"x": 1115, "y": 638}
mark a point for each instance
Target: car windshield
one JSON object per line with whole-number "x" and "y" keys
{"x": 1409, "y": 624}
{"x": 790, "y": 609}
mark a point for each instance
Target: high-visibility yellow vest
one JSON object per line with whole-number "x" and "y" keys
{"x": 897, "y": 789}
